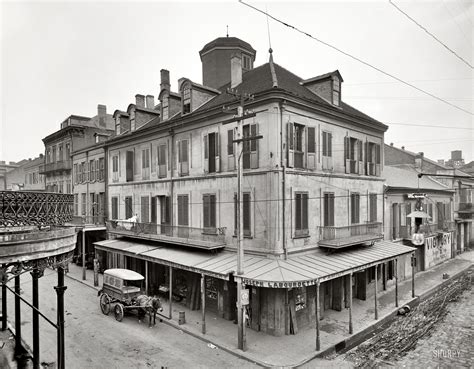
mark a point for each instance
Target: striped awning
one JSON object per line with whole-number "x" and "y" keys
{"x": 297, "y": 271}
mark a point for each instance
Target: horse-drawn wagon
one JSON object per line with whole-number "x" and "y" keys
{"x": 123, "y": 287}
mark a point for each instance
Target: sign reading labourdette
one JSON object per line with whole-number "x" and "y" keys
{"x": 270, "y": 284}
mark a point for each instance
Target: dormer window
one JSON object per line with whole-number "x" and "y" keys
{"x": 165, "y": 107}
{"x": 117, "y": 125}
{"x": 336, "y": 91}
{"x": 186, "y": 99}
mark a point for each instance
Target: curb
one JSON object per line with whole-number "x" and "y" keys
{"x": 81, "y": 281}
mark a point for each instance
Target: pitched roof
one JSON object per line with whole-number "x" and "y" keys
{"x": 261, "y": 79}
{"x": 406, "y": 176}
{"x": 441, "y": 166}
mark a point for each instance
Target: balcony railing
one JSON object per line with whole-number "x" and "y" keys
{"x": 85, "y": 220}
{"x": 466, "y": 207}
{"x": 204, "y": 238}
{"x": 337, "y": 237}
{"x": 20, "y": 209}
{"x": 59, "y": 166}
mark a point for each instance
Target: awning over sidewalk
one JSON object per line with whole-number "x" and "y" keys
{"x": 297, "y": 271}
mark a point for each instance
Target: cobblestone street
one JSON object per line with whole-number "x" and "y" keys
{"x": 451, "y": 341}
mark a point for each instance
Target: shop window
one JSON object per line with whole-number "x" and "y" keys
{"x": 300, "y": 299}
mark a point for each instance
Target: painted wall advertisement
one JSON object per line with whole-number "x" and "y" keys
{"x": 438, "y": 248}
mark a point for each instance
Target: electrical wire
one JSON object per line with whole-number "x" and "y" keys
{"x": 429, "y": 33}
{"x": 357, "y": 59}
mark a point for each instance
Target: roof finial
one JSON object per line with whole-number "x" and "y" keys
{"x": 227, "y": 30}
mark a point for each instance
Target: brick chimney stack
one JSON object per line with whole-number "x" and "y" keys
{"x": 101, "y": 113}
{"x": 165, "y": 79}
{"x": 419, "y": 161}
{"x": 140, "y": 100}
{"x": 150, "y": 101}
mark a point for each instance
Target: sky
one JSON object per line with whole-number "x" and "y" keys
{"x": 61, "y": 58}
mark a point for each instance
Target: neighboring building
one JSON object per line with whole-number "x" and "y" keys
{"x": 456, "y": 160}
{"x": 26, "y": 176}
{"x": 457, "y": 180}
{"x": 405, "y": 193}
{"x": 4, "y": 168}
{"x": 312, "y": 193}
{"x": 76, "y": 132}
{"x": 468, "y": 168}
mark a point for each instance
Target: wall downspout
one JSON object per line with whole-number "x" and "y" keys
{"x": 282, "y": 163}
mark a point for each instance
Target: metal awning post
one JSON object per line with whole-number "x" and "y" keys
{"x": 413, "y": 260}
{"x": 203, "y": 303}
{"x": 60, "y": 288}
{"x": 36, "y": 274}
{"x": 170, "y": 292}
{"x": 4, "y": 307}
{"x": 18, "y": 346}
{"x": 375, "y": 297}
{"x": 83, "y": 254}
{"x": 146, "y": 277}
{"x": 350, "y": 304}
{"x": 318, "y": 341}
{"x": 396, "y": 282}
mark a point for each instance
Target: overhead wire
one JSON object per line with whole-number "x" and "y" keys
{"x": 432, "y": 35}
{"x": 356, "y": 58}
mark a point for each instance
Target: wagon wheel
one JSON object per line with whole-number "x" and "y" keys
{"x": 118, "y": 312}
{"x": 105, "y": 303}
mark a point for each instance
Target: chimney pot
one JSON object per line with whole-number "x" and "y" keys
{"x": 403, "y": 147}
{"x": 391, "y": 143}
{"x": 101, "y": 110}
{"x": 140, "y": 100}
{"x": 150, "y": 101}
{"x": 235, "y": 70}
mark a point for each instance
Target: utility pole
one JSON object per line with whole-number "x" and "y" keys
{"x": 239, "y": 139}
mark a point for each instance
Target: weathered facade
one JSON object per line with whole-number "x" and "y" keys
{"x": 76, "y": 132}
{"x": 26, "y": 176}
{"x": 313, "y": 182}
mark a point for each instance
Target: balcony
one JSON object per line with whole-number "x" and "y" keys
{"x": 202, "y": 238}
{"x": 340, "y": 237}
{"x": 59, "y": 166}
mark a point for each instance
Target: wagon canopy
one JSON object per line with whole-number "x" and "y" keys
{"x": 125, "y": 274}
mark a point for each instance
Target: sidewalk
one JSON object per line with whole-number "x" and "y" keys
{"x": 294, "y": 350}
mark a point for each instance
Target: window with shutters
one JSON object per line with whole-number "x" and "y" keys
{"x": 92, "y": 170}
{"x": 440, "y": 214}
{"x": 145, "y": 209}
{"x": 301, "y": 214}
{"x": 115, "y": 168}
{"x": 230, "y": 150}
{"x": 311, "y": 148}
{"x": 211, "y": 152}
{"x": 145, "y": 164}
{"x": 165, "y": 218}
{"x": 353, "y": 155}
{"x": 329, "y": 209}
{"x": 183, "y": 215}
{"x": 117, "y": 125}
{"x": 183, "y": 162}
{"x": 115, "y": 208}
{"x": 326, "y": 160}
{"x": 76, "y": 173}
{"x": 83, "y": 204}
{"x": 162, "y": 172}
{"x": 209, "y": 213}
{"x": 250, "y": 147}
{"x": 355, "y": 208}
{"x": 102, "y": 169}
{"x": 246, "y": 215}
{"x": 129, "y": 164}
{"x": 372, "y": 159}
{"x": 296, "y": 145}
{"x": 373, "y": 207}
{"x": 128, "y": 207}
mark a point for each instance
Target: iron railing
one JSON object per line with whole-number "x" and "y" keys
{"x": 333, "y": 233}
{"x": 162, "y": 231}
{"x": 56, "y": 166}
{"x": 21, "y": 208}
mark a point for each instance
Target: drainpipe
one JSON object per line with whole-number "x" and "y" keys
{"x": 282, "y": 163}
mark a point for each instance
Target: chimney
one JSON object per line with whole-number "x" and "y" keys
{"x": 101, "y": 113}
{"x": 41, "y": 156}
{"x": 391, "y": 143}
{"x": 235, "y": 70}
{"x": 165, "y": 79}
{"x": 150, "y": 101}
{"x": 403, "y": 147}
{"x": 140, "y": 101}
{"x": 419, "y": 160}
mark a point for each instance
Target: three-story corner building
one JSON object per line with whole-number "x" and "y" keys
{"x": 76, "y": 132}
{"x": 312, "y": 193}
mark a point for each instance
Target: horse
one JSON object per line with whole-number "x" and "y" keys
{"x": 148, "y": 304}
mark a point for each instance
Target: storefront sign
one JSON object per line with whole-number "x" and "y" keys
{"x": 416, "y": 195}
{"x": 271, "y": 284}
{"x": 438, "y": 248}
